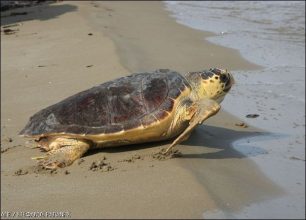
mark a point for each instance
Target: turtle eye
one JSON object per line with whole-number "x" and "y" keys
{"x": 224, "y": 78}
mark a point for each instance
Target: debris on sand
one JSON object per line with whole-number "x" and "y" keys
{"x": 4, "y": 150}
{"x": 101, "y": 165}
{"x": 54, "y": 171}
{"x": 79, "y": 161}
{"x": 8, "y": 148}
{"x": 132, "y": 159}
{"x": 242, "y": 124}
{"x": 20, "y": 172}
{"x": 296, "y": 158}
{"x": 164, "y": 156}
{"x": 42, "y": 170}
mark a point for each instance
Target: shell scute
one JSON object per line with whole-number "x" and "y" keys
{"x": 155, "y": 91}
{"x": 131, "y": 124}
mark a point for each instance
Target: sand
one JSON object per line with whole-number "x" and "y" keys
{"x": 66, "y": 47}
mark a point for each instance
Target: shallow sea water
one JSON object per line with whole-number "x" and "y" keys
{"x": 272, "y": 35}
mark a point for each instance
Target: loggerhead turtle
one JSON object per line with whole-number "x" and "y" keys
{"x": 142, "y": 107}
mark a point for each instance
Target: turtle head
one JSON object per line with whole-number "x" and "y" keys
{"x": 213, "y": 83}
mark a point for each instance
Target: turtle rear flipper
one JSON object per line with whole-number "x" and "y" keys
{"x": 198, "y": 112}
{"x": 69, "y": 151}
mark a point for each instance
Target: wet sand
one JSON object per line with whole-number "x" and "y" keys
{"x": 65, "y": 48}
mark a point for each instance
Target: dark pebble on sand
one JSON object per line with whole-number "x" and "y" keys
{"x": 9, "y": 31}
{"x": 252, "y": 116}
{"x": 10, "y": 139}
{"x": 90, "y": 34}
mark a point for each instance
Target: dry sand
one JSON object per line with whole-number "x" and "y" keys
{"x": 52, "y": 56}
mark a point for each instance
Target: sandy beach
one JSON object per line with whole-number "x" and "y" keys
{"x": 63, "y": 48}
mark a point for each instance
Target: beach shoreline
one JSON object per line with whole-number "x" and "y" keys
{"x": 275, "y": 93}
{"x": 67, "y": 47}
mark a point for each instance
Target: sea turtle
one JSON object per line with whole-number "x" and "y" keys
{"x": 142, "y": 107}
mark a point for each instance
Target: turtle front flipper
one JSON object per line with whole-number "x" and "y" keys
{"x": 198, "y": 112}
{"x": 69, "y": 151}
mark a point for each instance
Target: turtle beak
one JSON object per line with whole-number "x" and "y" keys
{"x": 230, "y": 82}
{"x": 231, "y": 79}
